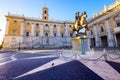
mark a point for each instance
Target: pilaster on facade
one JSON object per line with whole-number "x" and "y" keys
{"x": 32, "y": 30}
{"x": 115, "y": 41}
{"x": 41, "y": 30}
{"x": 115, "y": 24}
{"x": 66, "y": 30}
{"x": 88, "y": 37}
{"x": 7, "y": 26}
{"x": 51, "y": 30}
{"x": 96, "y": 36}
{"x": 110, "y": 33}
{"x": 22, "y": 28}
{"x": 58, "y": 30}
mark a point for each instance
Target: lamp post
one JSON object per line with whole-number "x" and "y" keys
{"x": 19, "y": 45}
{"x": 32, "y": 44}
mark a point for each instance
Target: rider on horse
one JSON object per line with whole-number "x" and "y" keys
{"x": 80, "y": 22}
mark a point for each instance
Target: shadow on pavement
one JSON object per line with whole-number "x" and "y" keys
{"x": 115, "y": 65}
{"x": 18, "y": 67}
{"x": 73, "y": 70}
{"x": 27, "y": 55}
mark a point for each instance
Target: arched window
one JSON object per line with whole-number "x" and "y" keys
{"x": 71, "y": 34}
{"x": 46, "y": 25}
{"x": 15, "y": 21}
{"x": 27, "y": 34}
{"x": 45, "y": 17}
{"x": 54, "y": 26}
{"x": 91, "y": 32}
{"x": 46, "y": 34}
{"x": 45, "y": 12}
{"x": 101, "y": 29}
{"x": 62, "y": 35}
{"x": 54, "y": 34}
{"x": 28, "y": 23}
{"x": 118, "y": 24}
{"x": 37, "y": 34}
{"x": 37, "y": 24}
{"x": 70, "y": 26}
{"x": 14, "y": 32}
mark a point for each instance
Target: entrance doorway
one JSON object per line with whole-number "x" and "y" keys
{"x": 104, "y": 42}
{"x": 93, "y": 42}
{"x": 118, "y": 39}
{"x": 47, "y": 41}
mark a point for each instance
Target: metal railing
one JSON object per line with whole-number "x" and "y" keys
{"x": 105, "y": 56}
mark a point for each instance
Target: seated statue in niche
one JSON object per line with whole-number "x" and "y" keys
{"x": 80, "y": 23}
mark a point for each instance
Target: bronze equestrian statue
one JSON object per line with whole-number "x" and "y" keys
{"x": 80, "y": 22}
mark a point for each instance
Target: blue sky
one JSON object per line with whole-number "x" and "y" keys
{"x": 58, "y": 9}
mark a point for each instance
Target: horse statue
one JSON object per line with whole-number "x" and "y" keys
{"x": 80, "y": 22}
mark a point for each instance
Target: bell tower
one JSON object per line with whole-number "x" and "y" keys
{"x": 44, "y": 13}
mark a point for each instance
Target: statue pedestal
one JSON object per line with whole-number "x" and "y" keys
{"x": 80, "y": 44}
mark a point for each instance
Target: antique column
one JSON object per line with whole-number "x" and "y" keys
{"x": 115, "y": 24}
{"x": 32, "y": 30}
{"x": 7, "y": 26}
{"x": 22, "y": 29}
{"x": 110, "y": 33}
{"x": 116, "y": 44}
{"x": 96, "y": 36}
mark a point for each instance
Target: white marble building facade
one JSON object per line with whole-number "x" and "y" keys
{"x": 26, "y": 32}
{"x": 104, "y": 27}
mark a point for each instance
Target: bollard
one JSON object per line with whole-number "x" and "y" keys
{"x": 92, "y": 50}
{"x": 76, "y": 56}
{"x": 105, "y": 54}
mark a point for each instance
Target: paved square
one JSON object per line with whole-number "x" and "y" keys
{"x": 52, "y": 65}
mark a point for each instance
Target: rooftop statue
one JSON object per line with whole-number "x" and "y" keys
{"x": 80, "y": 22}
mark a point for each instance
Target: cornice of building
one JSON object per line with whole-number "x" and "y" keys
{"x": 107, "y": 10}
{"x": 17, "y": 16}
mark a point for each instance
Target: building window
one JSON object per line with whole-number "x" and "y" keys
{"x": 54, "y": 34}
{"x": 54, "y": 26}
{"x": 37, "y": 24}
{"x": 37, "y": 34}
{"x": 45, "y": 12}
{"x": 46, "y": 34}
{"x": 101, "y": 29}
{"x": 27, "y": 34}
{"x": 14, "y": 33}
{"x": 118, "y": 24}
{"x": 62, "y": 35}
{"x": 45, "y": 17}
{"x": 70, "y": 34}
{"x": 15, "y": 21}
{"x": 28, "y": 23}
{"x": 46, "y": 25}
{"x": 70, "y": 26}
{"x": 91, "y": 32}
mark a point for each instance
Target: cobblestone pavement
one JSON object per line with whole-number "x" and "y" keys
{"x": 58, "y": 65}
